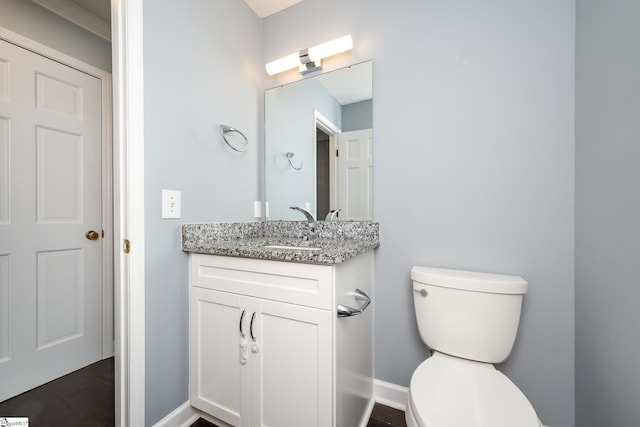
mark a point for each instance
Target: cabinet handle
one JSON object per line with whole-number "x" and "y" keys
{"x": 242, "y": 317}
{"x": 344, "y": 311}
{"x": 251, "y": 326}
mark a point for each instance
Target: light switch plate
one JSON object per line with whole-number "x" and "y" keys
{"x": 170, "y": 204}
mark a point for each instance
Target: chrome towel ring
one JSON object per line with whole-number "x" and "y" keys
{"x": 289, "y": 157}
{"x": 224, "y": 130}
{"x": 345, "y": 311}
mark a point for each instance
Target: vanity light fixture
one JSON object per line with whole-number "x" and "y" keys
{"x": 310, "y": 59}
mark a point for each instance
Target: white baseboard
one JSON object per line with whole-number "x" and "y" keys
{"x": 388, "y": 394}
{"x": 183, "y": 416}
{"x": 385, "y": 393}
{"x": 367, "y": 413}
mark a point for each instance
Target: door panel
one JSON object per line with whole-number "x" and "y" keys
{"x": 58, "y": 96}
{"x": 50, "y": 196}
{"x": 355, "y": 165}
{"x": 5, "y": 198}
{"x": 59, "y": 176}
{"x": 59, "y": 285}
{"x": 5, "y": 339}
{"x": 4, "y": 79}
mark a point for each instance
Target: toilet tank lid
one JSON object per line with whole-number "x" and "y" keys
{"x": 470, "y": 280}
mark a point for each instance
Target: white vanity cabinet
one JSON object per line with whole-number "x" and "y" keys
{"x": 267, "y": 347}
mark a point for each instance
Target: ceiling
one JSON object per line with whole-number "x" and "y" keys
{"x": 264, "y": 8}
{"x": 349, "y": 87}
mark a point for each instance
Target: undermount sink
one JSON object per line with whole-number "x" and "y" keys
{"x": 304, "y": 248}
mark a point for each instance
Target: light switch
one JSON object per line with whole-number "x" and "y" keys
{"x": 170, "y": 204}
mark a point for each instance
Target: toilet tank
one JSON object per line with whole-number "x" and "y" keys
{"x": 466, "y": 314}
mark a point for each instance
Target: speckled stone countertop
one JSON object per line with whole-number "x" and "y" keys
{"x": 333, "y": 243}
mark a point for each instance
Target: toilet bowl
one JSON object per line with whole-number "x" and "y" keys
{"x": 453, "y": 392}
{"x": 470, "y": 321}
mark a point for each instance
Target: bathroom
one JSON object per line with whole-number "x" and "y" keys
{"x": 488, "y": 118}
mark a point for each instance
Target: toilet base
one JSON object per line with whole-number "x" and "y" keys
{"x": 411, "y": 419}
{"x": 408, "y": 415}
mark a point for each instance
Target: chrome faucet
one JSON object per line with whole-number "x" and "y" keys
{"x": 311, "y": 222}
{"x": 332, "y": 214}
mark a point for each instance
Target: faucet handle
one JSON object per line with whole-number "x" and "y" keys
{"x": 332, "y": 214}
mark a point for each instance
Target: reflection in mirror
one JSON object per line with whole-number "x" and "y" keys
{"x": 318, "y": 136}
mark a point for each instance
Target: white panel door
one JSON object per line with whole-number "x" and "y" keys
{"x": 355, "y": 164}
{"x": 50, "y": 196}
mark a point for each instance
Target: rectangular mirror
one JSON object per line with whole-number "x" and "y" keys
{"x": 318, "y": 145}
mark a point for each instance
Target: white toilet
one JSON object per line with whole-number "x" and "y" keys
{"x": 470, "y": 321}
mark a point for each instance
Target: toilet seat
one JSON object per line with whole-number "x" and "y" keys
{"x": 447, "y": 391}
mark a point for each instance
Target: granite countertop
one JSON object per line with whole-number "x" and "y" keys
{"x": 333, "y": 243}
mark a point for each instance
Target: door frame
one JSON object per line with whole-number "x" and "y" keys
{"x": 129, "y": 263}
{"x": 106, "y": 149}
{"x": 330, "y": 128}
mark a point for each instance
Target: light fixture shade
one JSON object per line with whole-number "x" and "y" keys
{"x": 313, "y": 54}
{"x": 330, "y": 48}
{"x": 283, "y": 64}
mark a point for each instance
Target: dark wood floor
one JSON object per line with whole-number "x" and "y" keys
{"x": 382, "y": 416}
{"x": 86, "y": 398}
{"x": 82, "y": 398}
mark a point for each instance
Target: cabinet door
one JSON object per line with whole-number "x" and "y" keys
{"x": 216, "y": 370}
{"x": 292, "y": 372}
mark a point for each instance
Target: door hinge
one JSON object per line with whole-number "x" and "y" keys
{"x": 126, "y": 247}
{"x": 337, "y": 151}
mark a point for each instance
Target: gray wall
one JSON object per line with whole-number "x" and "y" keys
{"x": 202, "y": 68}
{"x": 607, "y": 212}
{"x": 37, "y": 23}
{"x": 474, "y": 171}
{"x": 357, "y": 116}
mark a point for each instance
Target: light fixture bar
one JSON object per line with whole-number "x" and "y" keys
{"x": 309, "y": 60}
{"x": 306, "y": 64}
{"x": 283, "y": 64}
{"x": 330, "y": 48}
